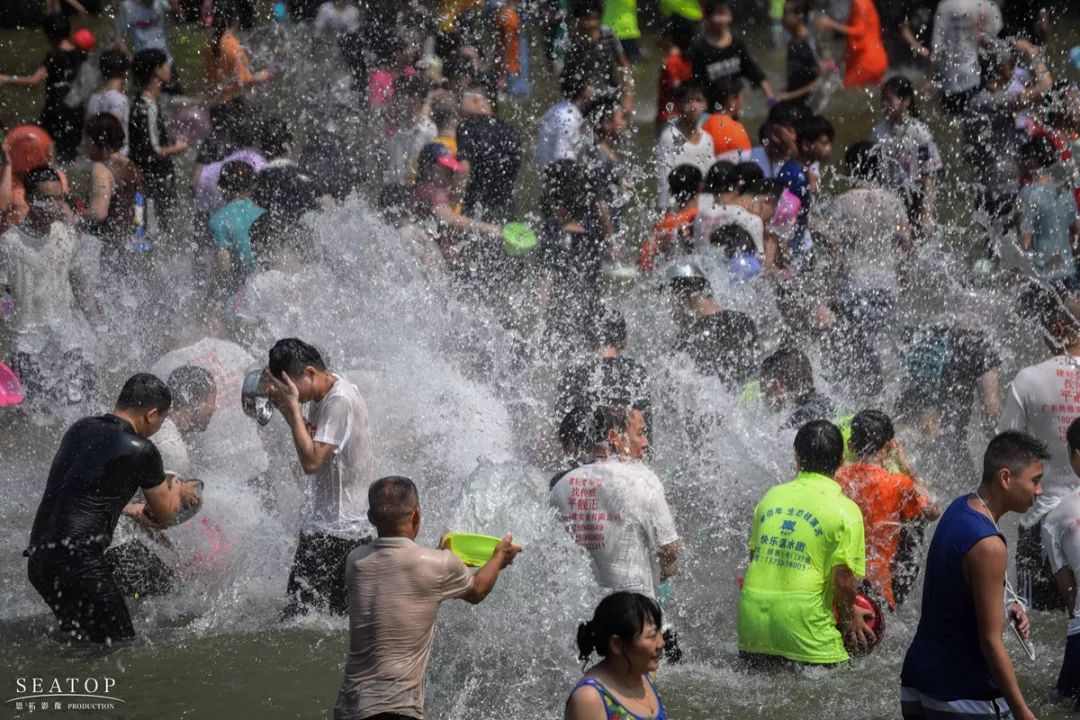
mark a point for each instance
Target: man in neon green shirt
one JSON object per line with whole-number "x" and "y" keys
{"x": 806, "y": 554}
{"x": 621, "y": 17}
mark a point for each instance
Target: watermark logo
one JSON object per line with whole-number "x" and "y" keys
{"x": 34, "y": 694}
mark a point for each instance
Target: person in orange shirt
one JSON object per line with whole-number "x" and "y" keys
{"x": 730, "y": 140}
{"x": 507, "y": 65}
{"x": 865, "y": 61}
{"x": 675, "y": 231}
{"x": 888, "y": 500}
{"x": 674, "y": 72}
{"x": 228, "y": 67}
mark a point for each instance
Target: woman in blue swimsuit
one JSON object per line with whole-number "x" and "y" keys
{"x": 625, "y": 632}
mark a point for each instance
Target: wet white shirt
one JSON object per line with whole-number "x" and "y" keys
{"x": 38, "y": 273}
{"x": 674, "y": 149}
{"x": 339, "y": 489}
{"x": 173, "y": 449}
{"x": 1042, "y": 401}
{"x": 231, "y": 444}
{"x": 617, "y": 511}
{"x": 1061, "y": 541}
{"x": 331, "y": 20}
{"x": 114, "y": 103}
{"x": 868, "y": 223}
{"x": 958, "y": 25}
{"x": 713, "y": 216}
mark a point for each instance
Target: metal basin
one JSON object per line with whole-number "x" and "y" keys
{"x": 255, "y": 398}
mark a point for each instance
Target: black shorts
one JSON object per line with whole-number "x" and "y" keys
{"x": 138, "y": 571}
{"x": 1068, "y": 682}
{"x": 955, "y": 103}
{"x": 317, "y": 579}
{"x": 82, "y": 594}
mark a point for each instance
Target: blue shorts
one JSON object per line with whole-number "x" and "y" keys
{"x": 914, "y": 705}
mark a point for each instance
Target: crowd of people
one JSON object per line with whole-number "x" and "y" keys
{"x": 783, "y": 283}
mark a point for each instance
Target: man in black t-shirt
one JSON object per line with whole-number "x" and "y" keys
{"x": 493, "y": 150}
{"x": 594, "y": 54}
{"x": 608, "y": 376}
{"x": 944, "y": 366}
{"x": 720, "y": 60}
{"x": 100, "y": 464}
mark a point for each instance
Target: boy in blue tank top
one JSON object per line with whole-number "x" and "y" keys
{"x": 957, "y": 664}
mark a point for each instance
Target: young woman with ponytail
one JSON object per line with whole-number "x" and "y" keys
{"x": 625, "y": 633}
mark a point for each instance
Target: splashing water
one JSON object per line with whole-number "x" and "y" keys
{"x": 463, "y": 405}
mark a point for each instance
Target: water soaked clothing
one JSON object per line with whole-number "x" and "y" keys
{"x": 616, "y": 510}
{"x": 317, "y": 578}
{"x": 615, "y": 710}
{"x": 395, "y": 588}
{"x": 802, "y": 530}
{"x": 945, "y": 662}
{"x": 99, "y": 466}
{"x": 887, "y": 500}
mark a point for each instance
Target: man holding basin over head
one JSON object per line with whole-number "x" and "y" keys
{"x": 333, "y": 446}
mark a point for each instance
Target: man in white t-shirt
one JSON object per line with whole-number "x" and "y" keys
{"x": 334, "y": 18}
{"x": 333, "y": 445}
{"x": 45, "y": 279}
{"x": 615, "y": 508}
{"x": 1043, "y": 400}
{"x": 140, "y": 25}
{"x": 395, "y": 588}
{"x": 961, "y": 27}
{"x": 1061, "y": 539}
{"x": 562, "y": 135}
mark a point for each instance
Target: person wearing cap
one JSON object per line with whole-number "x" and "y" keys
{"x": 435, "y": 197}
{"x": 888, "y": 500}
{"x": 806, "y": 555}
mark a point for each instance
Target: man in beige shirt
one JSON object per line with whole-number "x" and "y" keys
{"x": 395, "y": 588}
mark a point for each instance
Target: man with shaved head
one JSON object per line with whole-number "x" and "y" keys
{"x": 395, "y": 588}
{"x": 1043, "y": 400}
